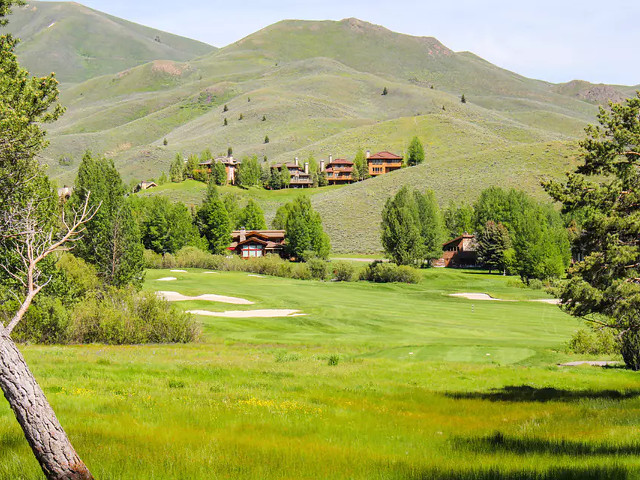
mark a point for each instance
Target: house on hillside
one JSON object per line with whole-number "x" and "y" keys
{"x": 339, "y": 171}
{"x": 383, "y": 162}
{"x": 459, "y": 253}
{"x": 258, "y": 243}
{"x": 144, "y": 186}
{"x": 299, "y": 177}
{"x": 230, "y": 166}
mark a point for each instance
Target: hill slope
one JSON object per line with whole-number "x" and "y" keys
{"x": 79, "y": 43}
{"x": 315, "y": 89}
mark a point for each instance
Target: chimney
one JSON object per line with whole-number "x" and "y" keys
{"x": 306, "y": 167}
{"x": 322, "y": 165}
{"x": 297, "y": 162}
{"x": 243, "y": 234}
{"x": 330, "y": 158}
{"x": 368, "y": 154}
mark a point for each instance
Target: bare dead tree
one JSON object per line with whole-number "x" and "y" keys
{"x": 33, "y": 243}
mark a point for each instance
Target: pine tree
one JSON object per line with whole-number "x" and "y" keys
{"x": 266, "y": 139}
{"x": 240, "y": 117}
{"x": 225, "y": 109}
{"x": 401, "y": 236}
{"x": 303, "y": 225}
{"x": 264, "y": 118}
{"x": 165, "y": 142}
{"x": 192, "y": 166}
{"x": 219, "y": 173}
{"x": 213, "y": 221}
{"x": 163, "y": 179}
{"x": 225, "y": 123}
{"x": 176, "y": 170}
{"x": 385, "y": 91}
{"x": 463, "y": 99}
{"x": 431, "y": 228}
{"x": 415, "y": 152}
{"x": 112, "y": 241}
{"x": 493, "y": 243}
{"x": 229, "y": 152}
{"x": 604, "y": 192}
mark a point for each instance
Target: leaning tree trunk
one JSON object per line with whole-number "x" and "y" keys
{"x": 42, "y": 429}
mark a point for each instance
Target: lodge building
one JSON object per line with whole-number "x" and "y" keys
{"x": 257, "y": 243}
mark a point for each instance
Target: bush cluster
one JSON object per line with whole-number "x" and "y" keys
{"x": 314, "y": 269}
{"x": 380, "y": 272}
{"x": 80, "y": 309}
{"x": 124, "y": 316}
{"x": 594, "y": 342}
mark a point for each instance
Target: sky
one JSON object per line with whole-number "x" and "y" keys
{"x": 556, "y": 41}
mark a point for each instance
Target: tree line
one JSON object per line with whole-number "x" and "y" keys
{"x": 515, "y": 233}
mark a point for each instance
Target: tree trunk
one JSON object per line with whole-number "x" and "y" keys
{"x": 45, "y": 435}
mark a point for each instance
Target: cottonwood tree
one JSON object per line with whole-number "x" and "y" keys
{"x": 213, "y": 222}
{"x": 252, "y": 217}
{"x": 604, "y": 288}
{"x": 28, "y": 238}
{"x": 493, "y": 243}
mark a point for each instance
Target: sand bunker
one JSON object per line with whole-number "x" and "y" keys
{"x": 178, "y": 297}
{"x": 475, "y": 296}
{"x": 551, "y": 301}
{"x": 249, "y": 313}
{"x": 595, "y": 363}
{"x": 178, "y": 271}
{"x": 167, "y": 279}
{"x": 484, "y": 296}
{"x": 256, "y": 276}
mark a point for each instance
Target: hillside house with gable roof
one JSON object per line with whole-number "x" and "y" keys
{"x": 230, "y": 166}
{"x": 258, "y": 243}
{"x": 383, "y": 162}
{"x": 299, "y": 177}
{"x": 339, "y": 171}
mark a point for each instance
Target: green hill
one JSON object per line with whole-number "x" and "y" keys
{"x": 315, "y": 88}
{"x": 79, "y": 43}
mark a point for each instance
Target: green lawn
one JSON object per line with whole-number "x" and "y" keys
{"x": 414, "y": 394}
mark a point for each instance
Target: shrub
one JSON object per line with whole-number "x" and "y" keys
{"x": 46, "y": 322}
{"x": 192, "y": 257}
{"x": 282, "y": 356}
{"x": 343, "y": 271}
{"x": 536, "y": 284}
{"x": 301, "y": 272}
{"x": 318, "y": 268}
{"x": 124, "y": 316}
{"x": 168, "y": 261}
{"x": 152, "y": 259}
{"x": 594, "y": 342}
{"x": 333, "y": 360}
{"x": 380, "y": 272}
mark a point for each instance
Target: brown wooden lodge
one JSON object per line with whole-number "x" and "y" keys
{"x": 460, "y": 252}
{"x": 258, "y": 243}
{"x": 299, "y": 177}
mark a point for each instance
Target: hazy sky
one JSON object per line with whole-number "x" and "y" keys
{"x": 551, "y": 40}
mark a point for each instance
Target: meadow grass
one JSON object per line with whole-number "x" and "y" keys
{"x": 321, "y": 396}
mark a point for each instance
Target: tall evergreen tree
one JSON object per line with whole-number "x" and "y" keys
{"x": 493, "y": 243}
{"x": 213, "y": 221}
{"x": 415, "y": 152}
{"x": 604, "y": 192}
{"x": 176, "y": 170}
{"x": 219, "y": 173}
{"x": 112, "y": 241}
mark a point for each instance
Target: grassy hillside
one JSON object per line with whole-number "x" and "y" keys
{"x": 78, "y": 43}
{"x": 315, "y": 89}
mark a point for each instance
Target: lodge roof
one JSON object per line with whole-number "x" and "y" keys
{"x": 385, "y": 156}
{"x": 458, "y": 239}
{"x": 340, "y": 161}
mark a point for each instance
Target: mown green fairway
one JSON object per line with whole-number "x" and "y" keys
{"x": 414, "y": 394}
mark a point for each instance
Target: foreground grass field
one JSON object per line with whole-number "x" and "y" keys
{"x": 375, "y": 382}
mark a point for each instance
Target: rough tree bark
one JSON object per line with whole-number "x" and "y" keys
{"x": 39, "y": 423}
{"x": 49, "y": 442}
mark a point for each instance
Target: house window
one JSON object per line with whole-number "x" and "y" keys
{"x": 251, "y": 250}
